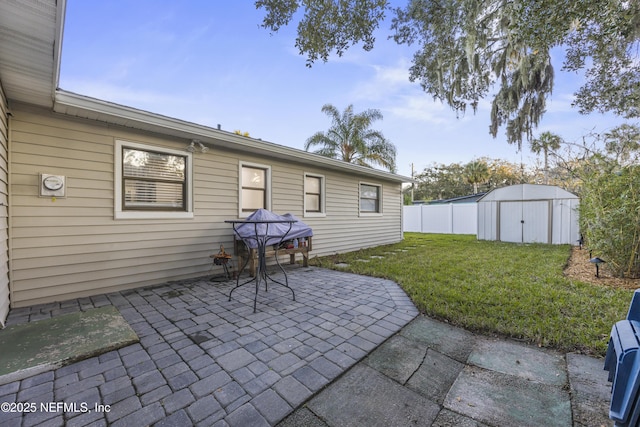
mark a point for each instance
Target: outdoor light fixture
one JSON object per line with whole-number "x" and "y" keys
{"x": 192, "y": 146}
{"x": 203, "y": 149}
{"x": 597, "y": 261}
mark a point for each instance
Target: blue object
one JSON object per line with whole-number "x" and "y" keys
{"x": 634, "y": 307}
{"x": 623, "y": 363}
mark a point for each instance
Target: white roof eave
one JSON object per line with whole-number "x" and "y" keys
{"x": 57, "y": 47}
{"x": 30, "y": 49}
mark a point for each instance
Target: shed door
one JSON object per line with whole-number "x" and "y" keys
{"x": 524, "y": 222}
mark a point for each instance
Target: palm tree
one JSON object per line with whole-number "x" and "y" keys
{"x": 350, "y": 139}
{"x": 546, "y": 142}
{"x": 476, "y": 172}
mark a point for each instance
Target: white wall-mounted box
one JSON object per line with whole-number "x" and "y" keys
{"x": 52, "y": 185}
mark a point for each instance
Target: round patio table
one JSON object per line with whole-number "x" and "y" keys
{"x": 255, "y": 234}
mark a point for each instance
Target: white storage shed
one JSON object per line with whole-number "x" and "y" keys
{"x": 529, "y": 213}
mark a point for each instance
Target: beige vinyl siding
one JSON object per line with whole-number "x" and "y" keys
{"x": 4, "y": 200}
{"x": 343, "y": 229}
{"x": 73, "y": 246}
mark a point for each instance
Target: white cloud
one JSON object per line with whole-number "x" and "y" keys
{"x": 421, "y": 108}
{"x": 390, "y": 88}
{"x": 386, "y": 81}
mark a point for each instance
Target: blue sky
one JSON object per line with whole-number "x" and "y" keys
{"x": 210, "y": 63}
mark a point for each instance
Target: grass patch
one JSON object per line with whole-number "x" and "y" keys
{"x": 506, "y": 289}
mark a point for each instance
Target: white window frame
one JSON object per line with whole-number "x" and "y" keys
{"x": 267, "y": 179}
{"x": 119, "y": 213}
{"x": 323, "y": 196}
{"x": 380, "y": 192}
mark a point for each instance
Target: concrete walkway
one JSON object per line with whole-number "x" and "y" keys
{"x": 351, "y": 350}
{"x": 433, "y": 374}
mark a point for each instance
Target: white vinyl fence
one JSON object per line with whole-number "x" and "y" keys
{"x": 451, "y": 218}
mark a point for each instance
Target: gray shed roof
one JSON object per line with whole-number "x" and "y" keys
{"x": 527, "y": 192}
{"x": 471, "y": 198}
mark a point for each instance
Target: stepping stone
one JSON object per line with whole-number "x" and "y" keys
{"x": 500, "y": 399}
{"x": 374, "y": 400}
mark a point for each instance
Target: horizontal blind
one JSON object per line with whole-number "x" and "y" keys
{"x": 153, "y": 180}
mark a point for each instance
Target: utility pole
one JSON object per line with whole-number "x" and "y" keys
{"x": 412, "y": 183}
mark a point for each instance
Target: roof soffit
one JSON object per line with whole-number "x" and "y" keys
{"x": 30, "y": 41}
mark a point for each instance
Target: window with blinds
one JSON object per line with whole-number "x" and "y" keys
{"x": 153, "y": 180}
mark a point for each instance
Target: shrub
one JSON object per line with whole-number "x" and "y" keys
{"x": 610, "y": 207}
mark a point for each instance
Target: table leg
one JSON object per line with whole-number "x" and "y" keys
{"x": 261, "y": 267}
{"x": 240, "y": 270}
{"x": 286, "y": 278}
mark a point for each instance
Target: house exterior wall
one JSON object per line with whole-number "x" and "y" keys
{"x": 72, "y": 247}
{"x": 4, "y": 201}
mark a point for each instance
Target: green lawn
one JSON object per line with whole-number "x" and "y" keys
{"x": 506, "y": 289}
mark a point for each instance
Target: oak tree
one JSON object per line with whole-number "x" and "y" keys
{"x": 468, "y": 50}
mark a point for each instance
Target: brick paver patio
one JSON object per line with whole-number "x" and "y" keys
{"x": 204, "y": 360}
